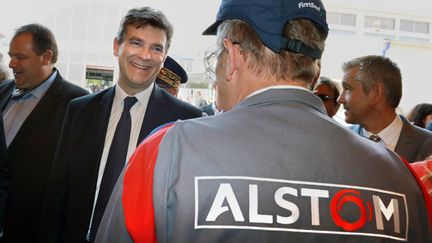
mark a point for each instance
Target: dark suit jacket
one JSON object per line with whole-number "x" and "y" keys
{"x": 414, "y": 144}
{"x": 71, "y": 194}
{"x": 31, "y": 155}
{"x": 4, "y": 174}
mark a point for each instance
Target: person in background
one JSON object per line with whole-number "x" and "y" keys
{"x": 212, "y": 108}
{"x": 171, "y": 76}
{"x": 4, "y": 72}
{"x": 372, "y": 90}
{"x": 272, "y": 167}
{"x": 429, "y": 126}
{"x": 421, "y": 115}
{"x": 328, "y": 91}
{"x": 33, "y": 104}
{"x": 198, "y": 100}
{"x": 102, "y": 130}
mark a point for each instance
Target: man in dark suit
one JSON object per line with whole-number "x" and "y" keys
{"x": 372, "y": 89}
{"x": 33, "y": 106}
{"x": 75, "y": 199}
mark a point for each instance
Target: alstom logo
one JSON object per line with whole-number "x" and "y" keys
{"x": 309, "y": 5}
{"x": 253, "y": 203}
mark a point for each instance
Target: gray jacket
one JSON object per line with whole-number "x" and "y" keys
{"x": 414, "y": 144}
{"x": 276, "y": 169}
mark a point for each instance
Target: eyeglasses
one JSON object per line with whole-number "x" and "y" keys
{"x": 210, "y": 60}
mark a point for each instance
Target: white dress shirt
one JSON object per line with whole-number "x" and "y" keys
{"x": 137, "y": 116}
{"x": 389, "y": 135}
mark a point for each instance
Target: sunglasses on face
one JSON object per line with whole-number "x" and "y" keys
{"x": 324, "y": 97}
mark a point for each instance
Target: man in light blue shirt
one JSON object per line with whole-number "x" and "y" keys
{"x": 33, "y": 106}
{"x": 19, "y": 108}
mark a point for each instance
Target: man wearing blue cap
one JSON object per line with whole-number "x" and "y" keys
{"x": 171, "y": 76}
{"x": 273, "y": 167}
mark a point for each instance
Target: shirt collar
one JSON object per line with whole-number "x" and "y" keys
{"x": 41, "y": 89}
{"x": 276, "y": 87}
{"x": 390, "y": 134}
{"x": 142, "y": 96}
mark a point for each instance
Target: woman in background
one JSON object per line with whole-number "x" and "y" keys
{"x": 421, "y": 115}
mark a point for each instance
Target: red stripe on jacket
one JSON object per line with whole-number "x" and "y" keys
{"x": 419, "y": 170}
{"x": 427, "y": 199}
{"x": 137, "y": 198}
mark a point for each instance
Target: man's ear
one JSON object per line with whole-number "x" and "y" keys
{"x": 235, "y": 54}
{"x": 116, "y": 47}
{"x": 378, "y": 92}
{"x": 47, "y": 57}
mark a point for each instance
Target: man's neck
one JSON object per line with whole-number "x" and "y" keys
{"x": 380, "y": 122}
{"x": 130, "y": 90}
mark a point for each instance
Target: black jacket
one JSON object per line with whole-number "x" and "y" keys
{"x": 30, "y": 157}
{"x": 71, "y": 190}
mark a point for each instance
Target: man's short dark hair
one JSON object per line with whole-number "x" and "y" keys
{"x": 43, "y": 39}
{"x": 378, "y": 69}
{"x": 140, "y": 17}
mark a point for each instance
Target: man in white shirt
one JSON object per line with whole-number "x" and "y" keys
{"x": 372, "y": 89}
{"x": 92, "y": 150}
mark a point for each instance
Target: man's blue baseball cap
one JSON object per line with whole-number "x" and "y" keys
{"x": 268, "y": 18}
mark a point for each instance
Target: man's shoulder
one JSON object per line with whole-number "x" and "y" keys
{"x": 6, "y": 85}
{"x": 73, "y": 87}
{"x": 94, "y": 98}
{"x": 64, "y": 89}
{"x": 416, "y": 132}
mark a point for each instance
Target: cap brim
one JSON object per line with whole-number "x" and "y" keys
{"x": 212, "y": 29}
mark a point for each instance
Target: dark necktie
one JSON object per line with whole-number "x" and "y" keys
{"x": 19, "y": 93}
{"x": 114, "y": 165}
{"x": 375, "y": 138}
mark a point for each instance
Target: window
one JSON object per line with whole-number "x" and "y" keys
{"x": 333, "y": 18}
{"x": 406, "y": 25}
{"x": 378, "y": 23}
{"x": 348, "y": 19}
{"x": 421, "y": 27}
{"x": 415, "y": 40}
{"x": 99, "y": 78}
{"x": 414, "y": 26}
{"x": 341, "y": 18}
